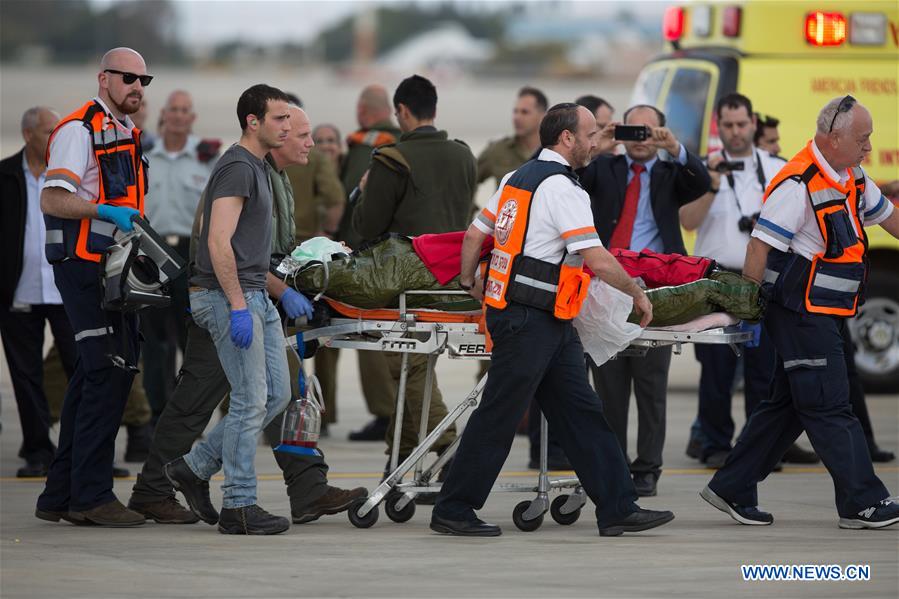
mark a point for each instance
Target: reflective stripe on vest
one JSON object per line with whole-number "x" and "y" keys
{"x": 834, "y": 279}
{"x": 558, "y": 288}
{"x": 121, "y": 178}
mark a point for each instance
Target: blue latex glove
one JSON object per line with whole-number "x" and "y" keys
{"x": 755, "y": 329}
{"x": 120, "y": 216}
{"x": 295, "y": 304}
{"x": 241, "y": 328}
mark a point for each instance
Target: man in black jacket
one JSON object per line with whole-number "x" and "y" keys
{"x": 28, "y": 294}
{"x": 635, "y": 199}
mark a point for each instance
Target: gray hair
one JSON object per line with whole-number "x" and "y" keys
{"x": 32, "y": 116}
{"x": 829, "y": 115}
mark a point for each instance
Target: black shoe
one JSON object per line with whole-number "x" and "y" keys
{"x": 636, "y": 522}
{"x": 796, "y": 455}
{"x": 743, "y": 514}
{"x": 138, "y": 447}
{"x": 251, "y": 520}
{"x": 32, "y": 470}
{"x": 880, "y": 455}
{"x": 883, "y": 514}
{"x": 54, "y": 516}
{"x": 194, "y": 489}
{"x": 645, "y": 484}
{"x": 376, "y": 430}
{"x": 694, "y": 449}
{"x": 464, "y": 528}
{"x": 716, "y": 459}
{"x": 120, "y": 472}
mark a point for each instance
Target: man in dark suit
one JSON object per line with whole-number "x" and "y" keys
{"x": 635, "y": 199}
{"x": 28, "y": 295}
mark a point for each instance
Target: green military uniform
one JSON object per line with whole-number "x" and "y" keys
{"x": 425, "y": 183}
{"x": 378, "y": 387}
{"x": 501, "y": 158}
{"x": 356, "y": 161}
{"x": 316, "y": 189}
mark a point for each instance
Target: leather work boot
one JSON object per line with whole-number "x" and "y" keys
{"x": 112, "y": 514}
{"x": 251, "y": 520}
{"x": 165, "y": 511}
{"x": 194, "y": 489}
{"x": 334, "y": 501}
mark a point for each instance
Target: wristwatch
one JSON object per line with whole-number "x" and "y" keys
{"x": 466, "y": 287}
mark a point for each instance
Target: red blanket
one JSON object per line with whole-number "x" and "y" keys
{"x": 440, "y": 254}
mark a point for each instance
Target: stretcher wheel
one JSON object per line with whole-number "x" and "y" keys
{"x": 366, "y": 521}
{"x": 555, "y": 510}
{"x": 398, "y": 515}
{"x": 520, "y": 522}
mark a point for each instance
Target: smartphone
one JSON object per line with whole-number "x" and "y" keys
{"x": 727, "y": 165}
{"x": 632, "y": 132}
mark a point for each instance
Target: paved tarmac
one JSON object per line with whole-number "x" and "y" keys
{"x": 697, "y": 555}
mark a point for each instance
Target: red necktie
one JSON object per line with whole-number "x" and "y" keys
{"x": 621, "y": 237}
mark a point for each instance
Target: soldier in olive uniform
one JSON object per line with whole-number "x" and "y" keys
{"x": 507, "y": 154}
{"x": 425, "y": 183}
{"x": 375, "y": 129}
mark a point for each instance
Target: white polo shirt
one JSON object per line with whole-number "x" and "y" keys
{"x": 72, "y": 164}
{"x": 788, "y": 222}
{"x": 560, "y": 219}
{"x": 719, "y": 236}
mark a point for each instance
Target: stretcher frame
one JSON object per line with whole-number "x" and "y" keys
{"x": 463, "y": 341}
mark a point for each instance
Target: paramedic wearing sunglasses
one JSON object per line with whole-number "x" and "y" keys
{"x": 95, "y": 183}
{"x": 808, "y": 250}
{"x": 543, "y": 229}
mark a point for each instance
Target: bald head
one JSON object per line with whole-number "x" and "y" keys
{"x": 123, "y": 59}
{"x": 373, "y": 106}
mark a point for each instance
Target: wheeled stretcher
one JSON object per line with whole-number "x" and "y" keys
{"x": 461, "y": 337}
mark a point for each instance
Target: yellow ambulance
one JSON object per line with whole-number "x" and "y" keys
{"x": 790, "y": 57}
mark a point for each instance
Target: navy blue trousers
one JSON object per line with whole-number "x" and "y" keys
{"x": 719, "y": 367}
{"x": 537, "y": 356}
{"x": 810, "y": 392}
{"x": 80, "y": 476}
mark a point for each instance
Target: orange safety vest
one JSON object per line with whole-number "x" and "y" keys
{"x": 122, "y": 182}
{"x": 558, "y": 288}
{"x": 833, "y": 281}
{"x": 370, "y": 137}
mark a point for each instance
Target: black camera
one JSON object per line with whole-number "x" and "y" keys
{"x": 632, "y": 132}
{"x": 747, "y": 223}
{"x": 726, "y": 166}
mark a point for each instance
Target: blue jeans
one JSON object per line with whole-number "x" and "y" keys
{"x": 260, "y": 390}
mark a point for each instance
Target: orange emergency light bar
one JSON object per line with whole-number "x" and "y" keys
{"x": 825, "y": 28}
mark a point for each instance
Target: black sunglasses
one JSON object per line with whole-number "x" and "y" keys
{"x": 129, "y": 78}
{"x": 846, "y": 105}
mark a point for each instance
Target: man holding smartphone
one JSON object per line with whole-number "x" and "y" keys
{"x": 635, "y": 199}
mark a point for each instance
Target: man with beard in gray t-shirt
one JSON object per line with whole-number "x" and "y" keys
{"x": 228, "y": 298}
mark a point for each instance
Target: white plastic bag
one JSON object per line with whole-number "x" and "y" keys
{"x": 602, "y": 322}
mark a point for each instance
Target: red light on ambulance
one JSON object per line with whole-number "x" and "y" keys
{"x": 673, "y": 23}
{"x": 825, "y": 28}
{"x": 730, "y": 21}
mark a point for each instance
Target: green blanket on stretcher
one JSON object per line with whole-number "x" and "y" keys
{"x": 374, "y": 277}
